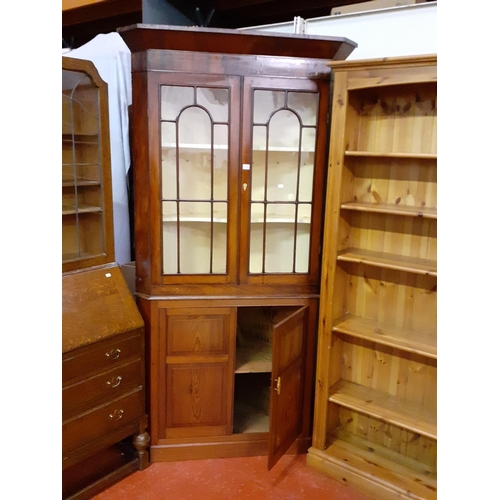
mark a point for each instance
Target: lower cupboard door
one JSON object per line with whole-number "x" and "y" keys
{"x": 199, "y": 381}
{"x": 287, "y": 384}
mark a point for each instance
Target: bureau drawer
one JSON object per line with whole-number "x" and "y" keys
{"x": 101, "y": 356}
{"x": 91, "y": 426}
{"x": 105, "y": 386}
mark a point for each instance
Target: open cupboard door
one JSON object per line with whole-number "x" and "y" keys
{"x": 287, "y": 382}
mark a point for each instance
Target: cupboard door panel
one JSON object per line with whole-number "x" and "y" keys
{"x": 198, "y": 333}
{"x": 196, "y": 400}
{"x": 287, "y": 377}
{"x": 198, "y": 389}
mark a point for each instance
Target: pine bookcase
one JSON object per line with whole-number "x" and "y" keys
{"x": 375, "y": 423}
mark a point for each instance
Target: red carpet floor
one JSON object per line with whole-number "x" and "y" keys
{"x": 230, "y": 479}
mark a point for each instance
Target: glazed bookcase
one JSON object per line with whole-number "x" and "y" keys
{"x": 87, "y": 213}
{"x": 375, "y": 423}
{"x": 230, "y": 150}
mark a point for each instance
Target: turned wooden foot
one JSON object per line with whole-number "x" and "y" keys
{"x": 141, "y": 443}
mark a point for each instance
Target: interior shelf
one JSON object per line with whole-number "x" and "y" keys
{"x": 423, "y": 343}
{"x": 205, "y": 147}
{"x": 70, "y": 209}
{"x": 253, "y": 357}
{"x": 386, "y": 208}
{"x": 81, "y": 138}
{"x": 79, "y": 182}
{"x": 419, "y": 483}
{"x": 390, "y": 154}
{"x": 222, "y": 219}
{"x": 75, "y": 256}
{"x": 384, "y": 406}
{"x": 195, "y": 218}
{"x": 389, "y": 261}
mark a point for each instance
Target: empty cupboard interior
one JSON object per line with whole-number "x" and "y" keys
{"x": 253, "y": 381}
{"x": 375, "y": 411}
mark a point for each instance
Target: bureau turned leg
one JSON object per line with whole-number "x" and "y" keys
{"x": 141, "y": 443}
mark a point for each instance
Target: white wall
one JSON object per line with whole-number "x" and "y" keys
{"x": 397, "y": 31}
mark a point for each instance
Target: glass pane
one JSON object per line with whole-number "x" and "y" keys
{"x": 256, "y": 238}
{"x": 216, "y": 101}
{"x": 168, "y": 161}
{"x": 219, "y": 265}
{"x": 220, "y": 174}
{"x": 306, "y": 176}
{"x": 282, "y": 176}
{"x": 169, "y": 237}
{"x": 173, "y": 99}
{"x": 303, "y": 239}
{"x": 265, "y": 103}
{"x": 308, "y": 139}
{"x": 259, "y": 138}
{"x": 284, "y": 131}
{"x": 195, "y": 127}
{"x": 258, "y": 173}
{"x": 195, "y": 239}
{"x": 306, "y": 106}
{"x": 195, "y": 174}
{"x": 283, "y": 212}
{"x": 221, "y": 136}
{"x": 279, "y": 247}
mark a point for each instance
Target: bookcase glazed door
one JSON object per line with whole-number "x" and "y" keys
{"x": 282, "y": 172}
{"x": 197, "y": 135}
{"x": 87, "y": 225}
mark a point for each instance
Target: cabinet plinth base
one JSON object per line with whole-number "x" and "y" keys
{"x": 384, "y": 485}
{"x": 224, "y": 448}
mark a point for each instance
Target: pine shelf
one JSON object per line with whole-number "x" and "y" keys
{"x": 386, "y": 407}
{"x": 389, "y": 261}
{"x": 82, "y": 209}
{"x": 79, "y": 182}
{"x": 391, "y": 154}
{"x": 386, "y": 208}
{"x": 253, "y": 357}
{"x": 422, "y": 343}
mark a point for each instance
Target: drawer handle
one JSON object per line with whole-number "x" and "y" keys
{"x": 113, "y": 354}
{"x": 114, "y": 382}
{"x": 116, "y": 415}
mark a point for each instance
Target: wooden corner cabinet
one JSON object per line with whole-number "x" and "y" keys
{"x": 87, "y": 212}
{"x": 104, "y": 421}
{"x": 375, "y": 423}
{"x": 229, "y": 151}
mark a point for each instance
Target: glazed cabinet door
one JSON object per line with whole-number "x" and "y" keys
{"x": 194, "y": 148}
{"x": 282, "y": 172}
{"x": 87, "y": 220}
{"x": 197, "y": 399}
{"x": 287, "y": 384}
